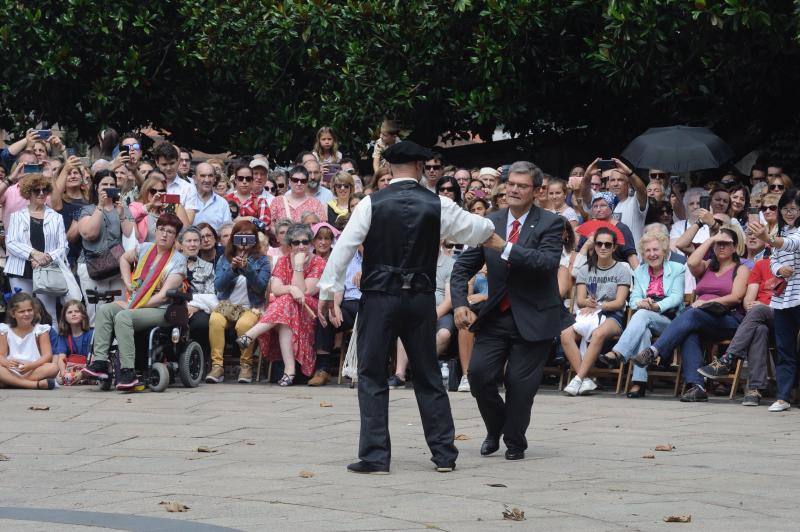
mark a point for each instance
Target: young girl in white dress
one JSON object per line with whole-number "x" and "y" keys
{"x": 26, "y": 358}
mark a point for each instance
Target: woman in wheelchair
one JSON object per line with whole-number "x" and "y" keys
{"x": 159, "y": 268}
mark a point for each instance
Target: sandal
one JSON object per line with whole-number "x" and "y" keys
{"x": 286, "y": 380}
{"x": 612, "y": 359}
{"x": 638, "y": 393}
{"x": 244, "y": 341}
{"x": 51, "y": 384}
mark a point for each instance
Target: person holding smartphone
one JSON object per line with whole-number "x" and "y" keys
{"x": 153, "y": 201}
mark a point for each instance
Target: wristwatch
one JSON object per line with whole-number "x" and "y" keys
{"x": 699, "y": 223}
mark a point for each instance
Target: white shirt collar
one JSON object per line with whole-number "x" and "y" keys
{"x": 510, "y": 220}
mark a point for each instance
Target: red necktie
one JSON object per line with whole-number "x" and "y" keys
{"x": 513, "y": 236}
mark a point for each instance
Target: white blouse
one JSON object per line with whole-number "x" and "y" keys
{"x": 24, "y": 349}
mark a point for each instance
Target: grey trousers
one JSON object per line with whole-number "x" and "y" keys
{"x": 751, "y": 342}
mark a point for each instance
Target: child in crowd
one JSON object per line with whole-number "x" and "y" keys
{"x": 326, "y": 147}
{"x": 72, "y": 342}
{"x": 390, "y": 133}
{"x": 26, "y": 359}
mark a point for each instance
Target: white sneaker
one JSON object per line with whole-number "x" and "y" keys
{"x": 588, "y": 385}
{"x": 463, "y": 386}
{"x": 779, "y": 406}
{"x": 574, "y": 386}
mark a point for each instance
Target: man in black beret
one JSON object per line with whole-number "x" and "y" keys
{"x": 400, "y": 227}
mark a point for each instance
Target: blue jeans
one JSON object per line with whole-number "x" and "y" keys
{"x": 787, "y": 323}
{"x": 638, "y": 335}
{"x": 687, "y": 330}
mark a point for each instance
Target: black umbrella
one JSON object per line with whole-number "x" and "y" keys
{"x": 678, "y": 149}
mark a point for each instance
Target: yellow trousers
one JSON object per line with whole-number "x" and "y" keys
{"x": 216, "y": 336}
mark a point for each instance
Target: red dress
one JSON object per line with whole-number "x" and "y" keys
{"x": 283, "y": 309}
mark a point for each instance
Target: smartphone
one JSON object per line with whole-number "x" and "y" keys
{"x": 479, "y": 193}
{"x": 85, "y": 161}
{"x": 753, "y": 215}
{"x": 606, "y": 164}
{"x": 112, "y": 193}
{"x": 575, "y": 182}
{"x": 171, "y": 198}
{"x": 705, "y": 202}
{"x": 32, "y": 169}
{"x": 124, "y": 150}
{"x": 504, "y": 173}
{"x": 70, "y": 152}
{"x": 244, "y": 240}
{"x": 44, "y": 134}
{"x": 331, "y": 170}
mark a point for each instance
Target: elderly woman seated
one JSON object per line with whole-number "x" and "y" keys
{"x": 656, "y": 297}
{"x": 294, "y": 285}
{"x": 159, "y": 268}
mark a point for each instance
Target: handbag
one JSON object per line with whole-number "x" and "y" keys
{"x": 104, "y": 264}
{"x": 776, "y": 284}
{"x": 230, "y": 311}
{"x": 49, "y": 280}
{"x": 716, "y": 309}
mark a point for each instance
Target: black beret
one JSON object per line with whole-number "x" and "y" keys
{"x": 406, "y": 152}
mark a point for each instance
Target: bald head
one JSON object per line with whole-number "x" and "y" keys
{"x": 204, "y": 179}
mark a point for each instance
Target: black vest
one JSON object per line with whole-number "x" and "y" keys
{"x": 402, "y": 244}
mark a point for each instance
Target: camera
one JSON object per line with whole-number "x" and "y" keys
{"x": 44, "y": 134}
{"x": 244, "y": 240}
{"x": 606, "y": 164}
{"x": 32, "y": 169}
{"x": 112, "y": 193}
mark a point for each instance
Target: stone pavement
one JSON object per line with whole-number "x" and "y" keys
{"x": 94, "y": 453}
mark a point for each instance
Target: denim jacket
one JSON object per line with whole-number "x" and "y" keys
{"x": 257, "y": 274}
{"x": 674, "y": 282}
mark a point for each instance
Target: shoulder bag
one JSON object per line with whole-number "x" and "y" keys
{"x": 104, "y": 264}
{"x": 49, "y": 280}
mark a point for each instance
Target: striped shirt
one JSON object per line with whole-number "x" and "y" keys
{"x": 788, "y": 255}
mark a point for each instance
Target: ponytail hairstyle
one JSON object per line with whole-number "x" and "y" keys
{"x": 591, "y": 257}
{"x": 714, "y": 263}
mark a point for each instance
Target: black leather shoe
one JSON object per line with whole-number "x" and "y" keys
{"x": 489, "y": 446}
{"x": 366, "y": 468}
{"x": 515, "y": 455}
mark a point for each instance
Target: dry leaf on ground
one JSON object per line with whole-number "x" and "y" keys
{"x": 497, "y": 485}
{"x": 325, "y": 404}
{"x": 205, "y": 449}
{"x": 39, "y": 407}
{"x": 3, "y": 458}
{"x": 513, "y": 514}
{"x": 174, "y": 506}
{"x": 648, "y": 455}
{"x": 664, "y": 447}
{"x": 306, "y": 474}
{"x": 678, "y": 519}
{"x": 462, "y": 437}
{"x": 250, "y": 443}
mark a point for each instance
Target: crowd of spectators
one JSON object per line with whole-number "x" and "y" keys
{"x": 653, "y": 263}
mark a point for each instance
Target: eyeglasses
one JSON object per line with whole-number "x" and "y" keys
{"x": 433, "y": 167}
{"x": 157, "y": 191}
{"x": 723, "y": 243}
{"x": 298, "y": 180}
{"x": 777, "y": 186}
{"x": 41, "y": 190}
{"x": 247, "y": 178}
{"x": 134, "y": 146}
{"x": 604, "y": 245}
{"x": 765, "y": 208}
{"x": 791, "y": 211}
{"x": 300, "y": 242}
{"x": 341, "y": 185}
{"x": 166, "y": 230}
{"x": 446, "y": 189}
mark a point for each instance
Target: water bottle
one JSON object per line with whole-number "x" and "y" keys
{"x": 445, "y": 374}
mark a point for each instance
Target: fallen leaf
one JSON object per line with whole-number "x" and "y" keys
{"x": 174, "y": 506}
{"x": 39, "y": 407}
{"x": 250, "y": 443}
{"x": 664, "y": 447}
{"x": 204, "y": 449}
{"x": 325, "y": 404}
{"x": 649, "y": 455}
{"x": 513, "y": 514}
{"x": 3, "y": 458}
{"x": 497, "y": 485}
{"x": 462, "y": 437}
{"x": 678, "y": 519}
{"x": 306, "y": 474}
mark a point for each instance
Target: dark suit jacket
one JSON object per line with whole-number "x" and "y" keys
{"x": 530, "y": 276}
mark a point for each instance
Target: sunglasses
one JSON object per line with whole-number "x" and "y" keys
{"x": 298, "y": 180}
{"x": 604, "y": 245}
{"x": 134, "y": 146}
{"x": 765, "y": 208}
{"x": 157, "y": 191}
{"x": 658, "y": 175}
{"x": 433, "y": 167}
{"x": 341, "y": 185}
{"x": 270, "y": 189}
{"x": 241, "y": 178}
{"x": 281, "y": 185}
{"x": 777, "y": 186}
{"x": 449, "y": 245}
{"x": 446, "y": 189}
{"x": 41, "y": 190}
{"x": 724, "y": 244}
{"x": 300, "y": 242}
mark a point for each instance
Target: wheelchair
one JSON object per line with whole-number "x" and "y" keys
{"x": 170, "y": 355}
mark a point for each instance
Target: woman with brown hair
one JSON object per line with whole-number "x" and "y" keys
{"x": 150, "y": 206}
{"x": 241, "y": 279}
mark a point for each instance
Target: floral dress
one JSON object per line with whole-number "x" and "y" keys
{"x": 310, "y": 204}
{"x": 285, "y": 310}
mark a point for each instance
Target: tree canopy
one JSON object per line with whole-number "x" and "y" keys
{"x": 253, "y": 76}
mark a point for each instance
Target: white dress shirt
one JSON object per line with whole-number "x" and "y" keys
{"x": 509, "y": 222}
{"x": 186, "y": 191}
{"x": 457, "y": 225}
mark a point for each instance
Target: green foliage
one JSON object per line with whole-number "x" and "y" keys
{"x": 264, "y": 75}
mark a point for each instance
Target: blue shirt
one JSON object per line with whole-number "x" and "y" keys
{"x": 82, "y": 344}
{"x": 351, "y": 291}
{"x": 214, "y": 212}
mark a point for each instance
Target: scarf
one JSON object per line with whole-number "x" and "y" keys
{"x": 144, "y": 288}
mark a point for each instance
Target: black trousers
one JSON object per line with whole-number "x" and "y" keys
{"x": 198, "y": 331}
{"x": 496, "y": 343}
{"x": 382, "y": 318}
{"x": 324, "y": 337}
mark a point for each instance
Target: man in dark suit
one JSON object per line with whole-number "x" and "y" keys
{"x": 517, "y": 323}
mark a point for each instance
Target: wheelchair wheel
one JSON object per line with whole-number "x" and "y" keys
{"x": 159, "y": 377}
{"x": 190, "y": 365}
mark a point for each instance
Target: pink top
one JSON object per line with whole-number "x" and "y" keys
{"x": 711, "y": 285}
{"x": 656, "y": 286}
{"x": 311, "y": 204}
{"x": 12, "y": 202}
